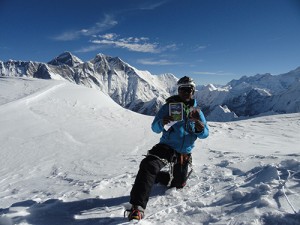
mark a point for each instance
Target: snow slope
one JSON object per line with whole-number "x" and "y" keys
{"x": 69, "y": 155}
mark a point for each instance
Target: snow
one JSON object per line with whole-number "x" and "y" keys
{"x": 69, "y": 155}
{"x": 222, "y": 114}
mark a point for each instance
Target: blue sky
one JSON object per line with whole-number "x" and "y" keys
{"x": 213, "y": 41}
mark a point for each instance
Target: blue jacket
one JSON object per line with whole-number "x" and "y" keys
{"x": 182, "y": 135}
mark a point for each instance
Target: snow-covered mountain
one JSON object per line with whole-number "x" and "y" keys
{"x": 131, "y": 88}
{"x": 252, "y": 96}
{"x": 144, "y": 93}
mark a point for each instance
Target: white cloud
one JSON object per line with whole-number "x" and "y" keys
{"x": 107, "y": 23}
{"x": 151, "y": 6}
{"x": 160, "y": 62}
{"x": 90, "y": 48}
{"x": 109, "y": 36}
{"x": 200, "y": 48}
{"x": 130, "y": 45}
{"x": 134, "y": 39}
{"x": 136, "y": 44}
{"x": 218, "y": 73}
{"x": 67, "y": 36}
{"x": 171, "y": 47}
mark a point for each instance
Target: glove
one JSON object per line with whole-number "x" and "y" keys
{"x": 167, "y": 119}
{"x": 199, "y": 126}
{"x": 195, "y": 117}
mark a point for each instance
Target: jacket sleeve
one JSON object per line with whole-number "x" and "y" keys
{"x": 205, "y": 132}
{"x": 157, "y": 124}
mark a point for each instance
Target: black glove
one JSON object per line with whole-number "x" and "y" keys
{"x": 167, "y": 119}
{"x": 195, "y": 117}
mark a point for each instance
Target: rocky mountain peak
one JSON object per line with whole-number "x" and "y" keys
{"x": 66, "y": 58}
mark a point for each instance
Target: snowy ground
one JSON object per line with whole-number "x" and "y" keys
{"x": 69, "y": 155}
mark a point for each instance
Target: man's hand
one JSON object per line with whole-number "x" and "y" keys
{"x": 199, "y": 126}
{"x": 195, "y": 117}
{"x": 167, "y": 119}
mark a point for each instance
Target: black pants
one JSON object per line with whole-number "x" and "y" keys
{"x": 149, "y": 173}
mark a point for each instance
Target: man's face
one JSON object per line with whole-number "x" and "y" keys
{"x": 186, "y": 93}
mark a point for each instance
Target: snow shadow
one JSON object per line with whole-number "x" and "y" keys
{"x": 287, "y": 219}
{"x": 57, "y": 212}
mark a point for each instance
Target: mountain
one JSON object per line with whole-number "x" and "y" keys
{"x": 252, "y": 96}
{"x": 66, "y": 59}
{"x": 142, "y": 92}
{"x": 131, "y": 88}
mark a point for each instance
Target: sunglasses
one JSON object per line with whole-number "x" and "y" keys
{"x": 186, "y": 89}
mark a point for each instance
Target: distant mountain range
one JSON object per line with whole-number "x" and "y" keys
{"x": 261, "y": 94}
{"x": 145, "y": 93}
{"x": 129, "y": 87}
